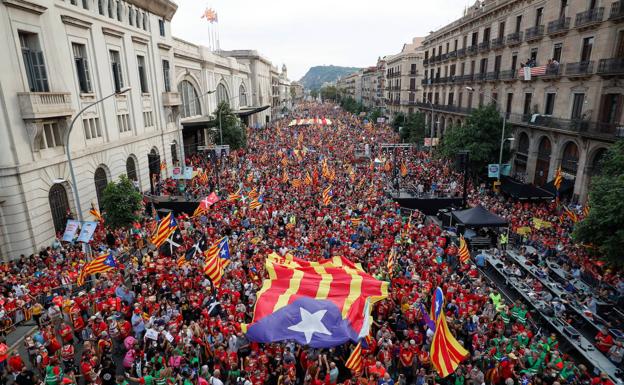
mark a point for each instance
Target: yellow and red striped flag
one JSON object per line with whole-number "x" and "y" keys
{"x": 586, "y": 210}
{"x": 165, "y": 228}
{"x": 253, "y": 194}
{"x": 464, "y": 253}
{"x": 96, "y": 214}
{"x": 256, "y": 203}
{"x": 233, "y": 197}
{"x": 217, "y": 258}
{"x": 558, "y": 179}
{"x": 571, "y": 214}
{"x": 403, "y": 169}
{"x": 356, "y": 221}
{"x": 296, "y": 183}
{"x": 355, "y": 362}
{"x": 285, "y": 177}
{"x": 327, "y": 195}
{"x": 284, "y": 161}
{"x": 391, "y": 262}
{"x": 100, "y": 264}
{"x": 446, "y": 353}
{"x": 308, "y": 179}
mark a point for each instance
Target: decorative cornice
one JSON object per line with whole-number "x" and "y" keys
{"x": 186, "y": 57}
{"x": 112, "y": 32}
{"x": 25, "y": 6}
{"x": 69, "y": 20}
{"x": 139, "y": 40}
{"x": 164, "y": 46}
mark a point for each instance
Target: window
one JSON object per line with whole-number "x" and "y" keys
{"x": 131, "y": 16}
{"x": 33, "y": 62}
{"x": 481, "y": 97}
{"x": 82, "y": 67}
{"x": 92, "y": 128}
{"x": 131, "y": 169}
{"x": 166, "y": 76}
{"x": 472, "y": 67}
{"x": 117, "y": 73}
{"x": 475, "y": 38}
{"x": 142, "y": 74}
{"x": 518, "y": 23}
{"x": 577, "y": 106}
{"x": 550, "y": 103}
{"x": 539, "y": 15}
{"x": 527, "y": 103}
{"x": 469, "y": 100}
{"x": 447, "y": 46}
{"x": 148, "y": 120}
{"x": 533, "y": 54}
{"x": 557, "y": 52}
{"x": 509, "y": 101}
{"x": 242, "y": 98}
{"x": 119, "y": 10}
{"x": 563, "y": 8}
{"x": 123, "y": 122}
{"x": 101, "y": 181}
{"x": 413, "y": 69}
{"x": 460, "y": 99}
{"x": 59, "y": 206}
{"x": 222, "y": 94}
{"x": 161, "y": 26}
{"x": 85, "y": 4}
{"x": 497, "y": 63}
{"x": 588, "y": 43}
{"x": 463, "y": 69}
{"x": 465, "y": 41}
{"x": 486, "y": 35}
{"x": 483, "y": 65}
{"x": 101, "y": 7}
{"x": 450, "y": 98}
{"x": 501, "y": 30}
{"x": 110, "y": 8}
{"x": 145, "y": 21}
{"x": 514, "y": 61}
{"x": 138, "y": 19}
{"x": 455, "y": 45}
{"x": 190, "y": 99}
{"x": 51, "y": 136}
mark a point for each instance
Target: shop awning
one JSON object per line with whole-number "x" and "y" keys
{"x": 246, "y": 111}
{"x": 567, "y": 185}
{"x": 524, "y": 191}
{"x": 199, "y": 122}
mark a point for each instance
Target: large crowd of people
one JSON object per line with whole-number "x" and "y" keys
{"x": 154, "y": 320}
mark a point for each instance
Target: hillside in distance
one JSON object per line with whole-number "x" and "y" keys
{"x": 317, "y": 75}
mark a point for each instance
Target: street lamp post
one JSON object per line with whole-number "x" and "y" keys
{"x": 503, "y": 139}
{"x": 431, "y": 136}
{"x": 68, "y": 150}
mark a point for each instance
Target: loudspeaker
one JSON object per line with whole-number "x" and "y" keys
{"x": 461, "y": 160}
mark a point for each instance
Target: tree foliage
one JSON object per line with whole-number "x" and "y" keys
{"x": 314, "y": 93}
{"x": 480, "y": 134}
{"x": 351, "y": 105}
{"x": 121, "y": 203}
{"x": 329, "y": 93}
{"x": 233, "y": 133}
{"x": 412, "y": 127}
{"x": 604, "y": 226}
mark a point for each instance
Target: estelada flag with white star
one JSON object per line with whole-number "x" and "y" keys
{"x": 319, "y": 304}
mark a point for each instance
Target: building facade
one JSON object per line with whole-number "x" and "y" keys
{"x": 404, "y": 75}
{"x": 564, "y": 109}
{"x": 60, "y": 58}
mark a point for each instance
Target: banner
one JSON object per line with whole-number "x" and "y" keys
{"x": 177, "y": 173}
{"x": 86, "y": 232}
{"x": 70, "y": 230}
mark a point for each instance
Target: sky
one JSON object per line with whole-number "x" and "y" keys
{"x": 302, "y": 34}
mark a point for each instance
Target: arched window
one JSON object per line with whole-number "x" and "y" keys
{"x": 596, "y": 165}
{"x": 131, "y": 171}
{"x": 100, "y": 181}
{"x": 222, "y": 94}
{"x": 242, "y": 96}
{"x": 174, "y": 152}
{"x": 523, "y": 144}
{"x": 59, "y": 206}
{"x": 543, "y": 162}
{"x": 190, "y": 99}
{"x": 569, "y": 159}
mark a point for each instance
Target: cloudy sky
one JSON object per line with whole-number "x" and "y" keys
{"x": 304, "y": 33}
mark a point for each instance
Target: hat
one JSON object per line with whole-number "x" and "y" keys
{"x": 137, "y": 311}
{"x": 512, "y": 356}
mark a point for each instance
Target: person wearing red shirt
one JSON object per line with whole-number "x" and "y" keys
{"x": 16, "y": 364}
{"x": 604, "y": 341}
{"x": 66, "y": 334}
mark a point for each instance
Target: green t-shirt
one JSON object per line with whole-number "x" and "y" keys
{"x": 147, "y": 380}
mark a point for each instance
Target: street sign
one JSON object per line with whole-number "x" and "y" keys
{"x": 493, "y": 170}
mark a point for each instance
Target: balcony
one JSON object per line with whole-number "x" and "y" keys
{"x": 617, "y": 11}
{"x": 452, "y": 55}
{"x": 552, "y": 72}
{"x": 508, "y": 75}
{"x": 498, "y": 43}
{"x": 559, "y": 27}
{"x": 426, "y": 62}
{"x": 589, "y": 18}
{"x": 472, "y": 50}
{"x": 413, "y": 73}
{"x": 611, "y": 67}
{"x": 484, "y": 46}
{"x": 514, "y": 38}
{"x": 576, "y": 126}
{"x": 171, "y": 99}
{"x": 580, "y": 69}
{"x": 45, "y": 105}
{"x": 534, "y": 33}
{"x": 444, "y": 57}
{"x": 492, "y": 76}
{"x": 480, "y": 76}
{"x": 461, "y": 53}
{"x": 425, "y": 82}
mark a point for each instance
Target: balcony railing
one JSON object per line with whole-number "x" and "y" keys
{"x": 413, "y": 73}
{"x": 472, "y": 50}
{"x": 492, "y": 76}
{"x": 617, "y": 10}
{"x": 171, "y": 99}
{"x": 514, "y": 38}
{"x": 606, "y": 130}
{"x": 583, "y": 68}
{"x": 559, "y": 26}
{"x": 426, "y": 62}
{"x": 552, "y": 71}
{"x": 484, "y": 46}
{"x": 480, "y": 76}
{"x": 534, "y": 33}
{"x": 445, "y": 57}
{"x": 497, "y": 43}
{"x": 461, "y": 53}
{"x": 614, "y": 66}
{"x": 425, "y": 81}
{"x": 452, "y": 55}
{"x": 508, "y": 75}
{"x": 589, "y": 17}
{"x": 45, "y": 105}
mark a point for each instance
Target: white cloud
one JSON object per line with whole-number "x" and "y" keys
{"x": 302, "y": 34}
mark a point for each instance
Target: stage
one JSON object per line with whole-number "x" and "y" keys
{"x": 428, "y": 205}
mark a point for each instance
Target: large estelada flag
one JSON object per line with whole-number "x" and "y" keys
{"x": 446, "y": 352}
{"x": 100, "y": 264}
{"x": 319, "y": 304}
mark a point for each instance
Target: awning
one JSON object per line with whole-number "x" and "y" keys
{"x": 199, "y": 122}
{"x": 523, "y": 191}
{"x": 251, "y": 110}
{"x": 567, "y": 185}
{"x": 478, "y": 217}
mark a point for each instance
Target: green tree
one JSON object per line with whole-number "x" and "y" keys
{"x": 480, "y": 135}
{"x": 329, "y": 93}
{"x": 233, "y": 133}
{"x": 374, "y": 114}
{"x": 121, "y": 203}
{"x": 604, "y": 226}
{"x": 314, "y": 93}
{"x": 351, "y": 105}
{"x": 412, "y": 127}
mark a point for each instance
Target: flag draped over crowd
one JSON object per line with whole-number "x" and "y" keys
{"x": 446, "y": 353}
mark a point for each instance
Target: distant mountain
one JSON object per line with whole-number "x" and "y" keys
{"x": 316, "y": 76}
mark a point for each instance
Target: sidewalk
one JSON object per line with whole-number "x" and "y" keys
{"x": 16, "y": 337}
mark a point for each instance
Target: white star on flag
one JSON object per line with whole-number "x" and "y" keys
{"x": 310, "y": 324}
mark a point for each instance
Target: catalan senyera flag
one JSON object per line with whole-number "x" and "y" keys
{"x": 233, "y": 197}
{"x": 165, "y": 228}
{"x": 296, "y": 183}
{"x": 319, "y": 304}
{"x": 327, "y": 195}
{"x": 355, "y": 362}
{"x": 586, "y": 210}
{"x": 308, "y": 179}
{"x": 100, "y": 264}
{"x": 256, "y": 203}
{"x": 446, "y": 353}
{"x": 571, "y": 214}
{"x": 96, "y": 214}
{"x": 253, "y": 194}
{"x": 163, "y": 165}
{"x": 558, "y": 179}
{"x": 210, "y": 15}
{"x": 464, "y": 253}
{"x": 403, "y": 169}
{"x": 355, "y": 221}
{"x": 285, "y": 177}
{"x": 391, "y": 262}
{"x": 284, "y": 161}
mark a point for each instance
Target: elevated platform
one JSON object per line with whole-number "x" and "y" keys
{"x": 429, "y": 205}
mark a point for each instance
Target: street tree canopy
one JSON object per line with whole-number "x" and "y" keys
{"x": 604, "y": 226}
{"x": 233, "y": 132}
{"x": 412, "y": 127}
{"x": 121, "y": 203}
